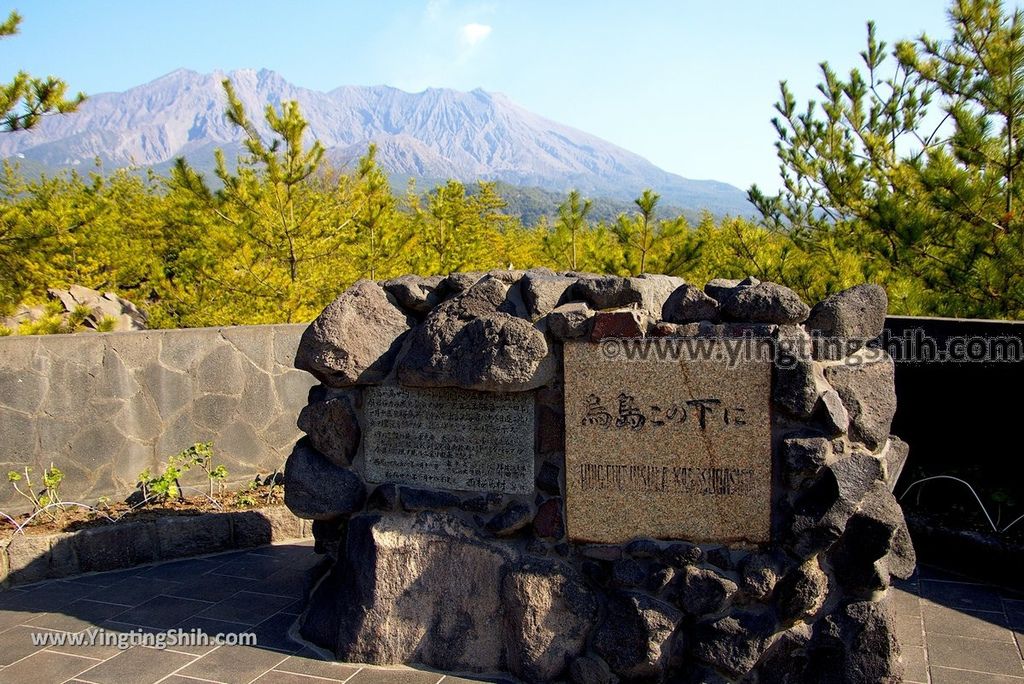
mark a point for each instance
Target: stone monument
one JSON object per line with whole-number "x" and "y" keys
{"x": 572, "y": 477}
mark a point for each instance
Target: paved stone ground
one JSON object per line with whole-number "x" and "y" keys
{"x": 956, "y": 631}
{"x": 953, "y": 630}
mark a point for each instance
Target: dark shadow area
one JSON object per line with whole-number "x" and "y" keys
{"x": 958, "y": 416}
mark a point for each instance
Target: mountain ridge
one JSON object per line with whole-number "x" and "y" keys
{"x": 435, "y": 133}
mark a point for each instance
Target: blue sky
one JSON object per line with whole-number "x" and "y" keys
{"x": 689, "y": 84}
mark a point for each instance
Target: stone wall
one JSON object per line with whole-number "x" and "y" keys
{"x": 773, "y": 567}
{"x": 103, "y": 407}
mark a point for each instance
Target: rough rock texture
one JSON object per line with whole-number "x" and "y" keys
{"x": 722, "y": 288}
{"x": 544, "y": 291}
{"x": 857, "y": 313}
{"x": 687, "y": 304}
{"x": 425, "y": 589}
{"x": 332, "y": 427}
{"x": 617, "y": 324}
{"x": 866, "y": 384}
{"x": 647, "y": 292}
{"x": 471, "y": 342}
{"x": 857, "y": 643}
{"x": 570, "y": 321}
{"x": 549, "y": 613}
{"x": 702, "y": 591}
{"x": 487, "y": 581}
{"x": 355, "y": 339}
{"x": 765, "y": 303}
{"x": 103, "y": 309}
{"x": 634, "y": 637}
{"x": 415, "y": 293}
{"x": 316, "y": 489}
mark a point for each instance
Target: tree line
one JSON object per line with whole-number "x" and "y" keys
{"x": 907, "y": 173}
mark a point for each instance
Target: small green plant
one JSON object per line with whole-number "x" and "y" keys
{"x": 106, "y": 324}
{"x": 5, "y": 331}
{"x": 50, "y": 494}
{"x": 166, "y": 485}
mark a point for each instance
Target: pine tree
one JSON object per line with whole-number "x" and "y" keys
{"x": 26, "y": 99}
{"x": 919, "y": 171}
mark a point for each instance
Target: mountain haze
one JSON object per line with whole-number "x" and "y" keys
{"x": 431, "y": 135}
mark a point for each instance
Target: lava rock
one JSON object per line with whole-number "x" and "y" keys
{"x": 355, "y": 339}
{"x": 857, "y": 313}
{"x": 759, "y": 573}
{"x": 875, "y": 545}
{"x": 628, "y": 573}
{"x": 570, "y": 321}
{"x": 681, "y": 554}
{"x": 619, "y": 324}
{"x": 332, "y": 427}
{"x": 590, "y": 669}
{"x": 384, "y": 497}
{"x": 834, "y": 416}
{"x": 469, "y": 342}
{"x": 895, "y": 458}
{"x": 634, "y": 637}
{"x": 796, "y": 387}
{"x": 415, "y": 499}
{"x": 547, "y": 479}
{"x": 543, "y": 292}
{"x": 549, "y": 613}
{"x": 857, "y": 643}
{"x": 700, "y": 591}
{"x": 514, "y": 518}
{"x": 721, "y": 289}
{"x": 415, "y": 293}
{"x": 866, "y": 384}
{"x": 765, "y": 303}
{"x": 688, "y": 304}
{"x": 647, "y": 292}
{"x": 734, "y": 643}
{"x": 317, "y": 489}
{"x": 801, "y": 592}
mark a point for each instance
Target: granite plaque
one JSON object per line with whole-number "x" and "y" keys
{"x": 449, "y": 439}
{"x": 667, "y": 448}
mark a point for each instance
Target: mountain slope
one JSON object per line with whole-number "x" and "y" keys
{"x": 437, "y": 133}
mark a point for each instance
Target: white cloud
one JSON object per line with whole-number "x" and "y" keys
{"x": 473, "y": 34}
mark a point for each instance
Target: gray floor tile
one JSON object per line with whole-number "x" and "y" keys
{"x": 273, "y": 633}
{"x": 247, "y": 608}
{"x": 162, "y": 612}
{"x": 211, "y": 628}
{"x": 909, "y": 629}
{"x": 137, "y": 665}
{"x": 905, "y": 602}
{"x": 251, "y": 566}
{"x": 394, "y": 676}
{"x": 78, "y": 616}
{"x": 915, "y": 664}
{"x": 234, "y": 664}
{"x": 966, "y": 623}
{"x": 961, "y": 596}
{"x": 313, "y": 666}
{"x": 275, "y": 677}
{"x": 185, "y": 570}
{"x": 213, "y": 588}
{"x": 134, "y": 590}
{"x": 16, "y": 643}
{"x": 45, "y": 667}
{"x": 943, "y": 675}
{"x": 996, "y": 657}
